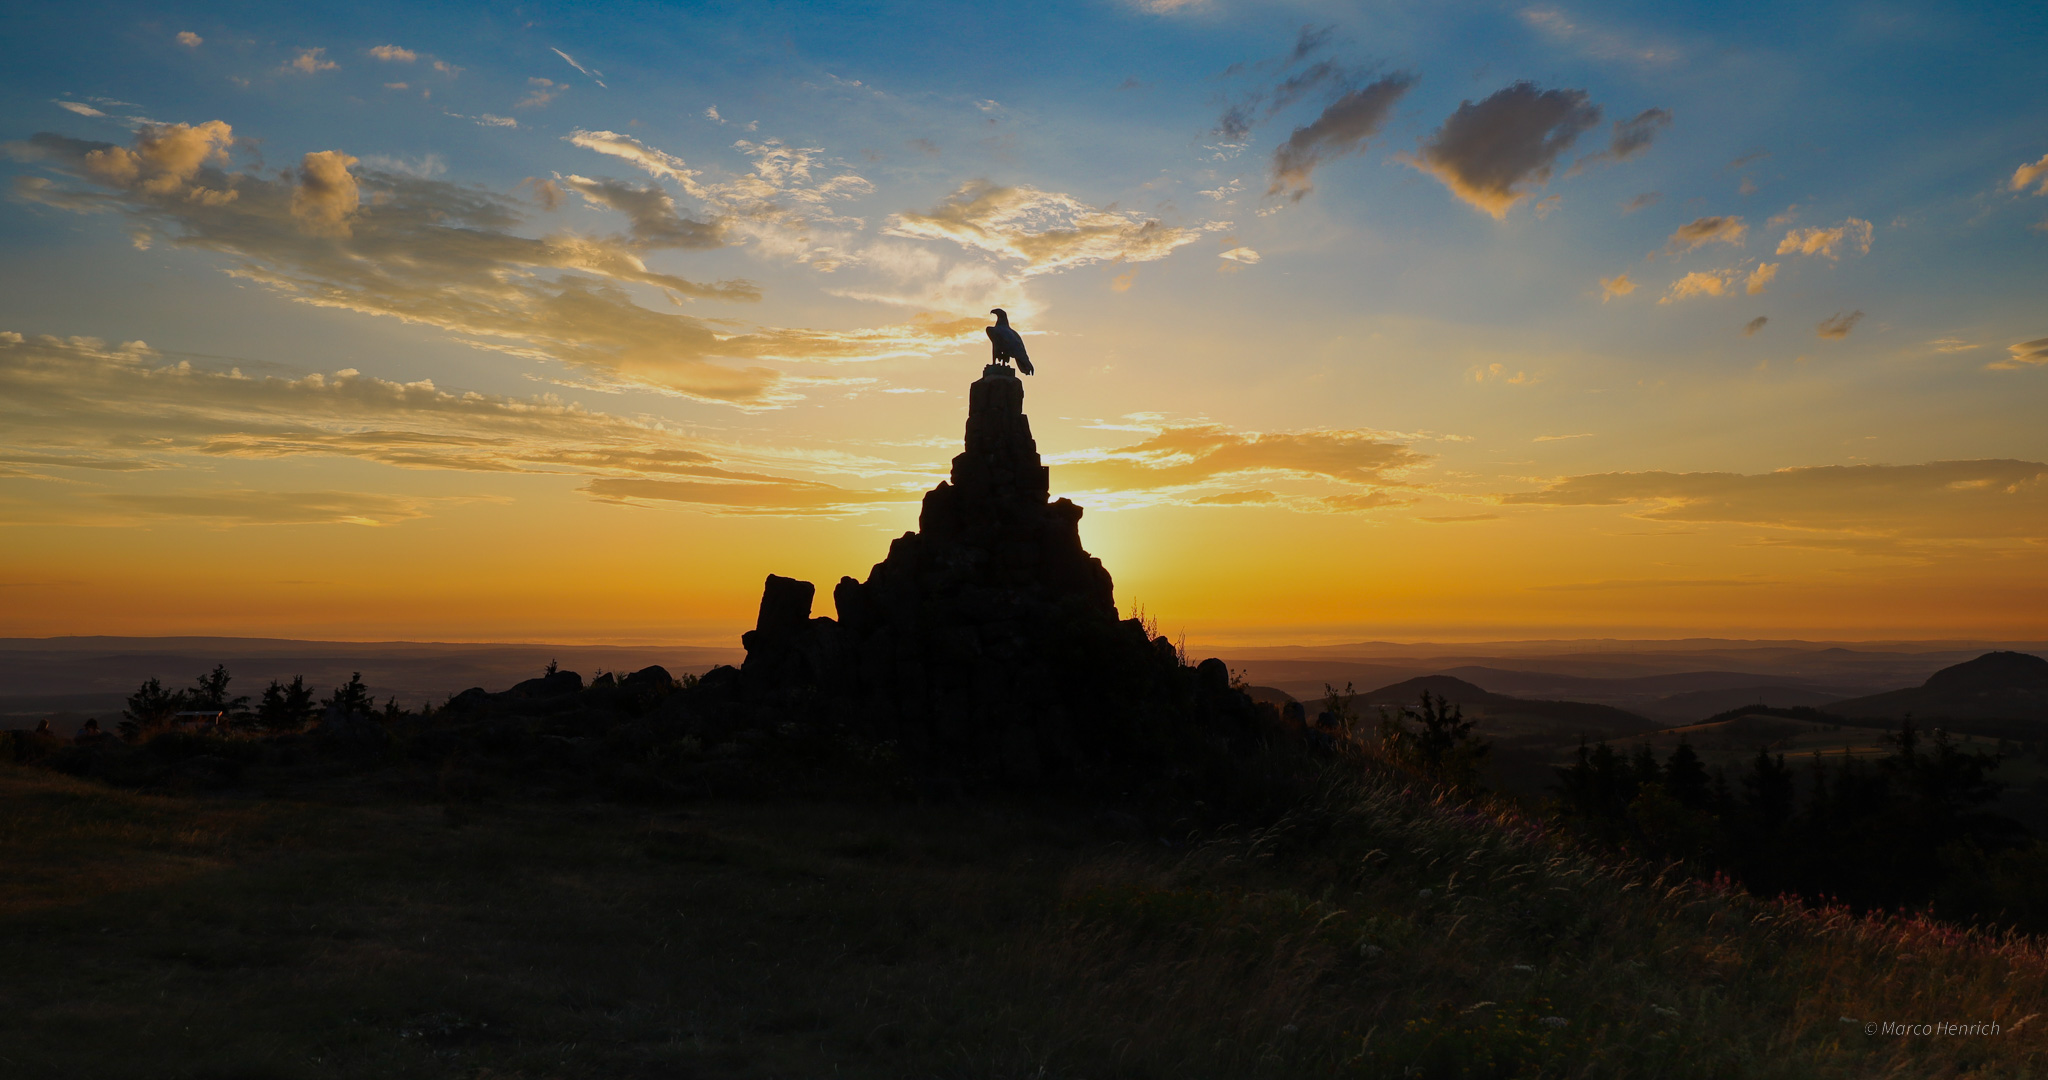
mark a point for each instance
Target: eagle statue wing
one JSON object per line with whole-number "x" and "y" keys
{"x": 1010, "y": 344}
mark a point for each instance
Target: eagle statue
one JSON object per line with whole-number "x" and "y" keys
{"x": 1007, "y": 343}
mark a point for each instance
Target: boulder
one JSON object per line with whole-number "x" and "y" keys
{"x": 559, "y": 684}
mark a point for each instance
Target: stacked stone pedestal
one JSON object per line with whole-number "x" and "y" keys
{"x": 987, "y": 640}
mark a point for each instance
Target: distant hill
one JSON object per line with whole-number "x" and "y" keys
{"x": 1502, "y": 715}
{"x": 1704, "y": 703}
{"x": 1997, "y": 686}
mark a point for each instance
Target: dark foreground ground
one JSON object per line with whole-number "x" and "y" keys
{"x": 1373, "y": 933}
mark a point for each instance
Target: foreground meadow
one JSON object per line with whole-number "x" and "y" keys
{"x": 1374, "y": 931}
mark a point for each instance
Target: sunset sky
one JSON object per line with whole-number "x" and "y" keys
{"x": 1351, "y": 321}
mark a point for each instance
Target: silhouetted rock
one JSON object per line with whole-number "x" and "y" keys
{"x": 988, "y": 639}
{"x": 653, "y": 677}
{"x": 547, "y": 686}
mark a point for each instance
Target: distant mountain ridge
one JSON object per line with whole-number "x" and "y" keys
{"x": 1999, "y": 685}
{"x": 1576, "y": 716}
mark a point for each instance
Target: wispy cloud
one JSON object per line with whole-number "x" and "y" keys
{"x": 1853, "y": 234}
{"x": 1183, "y": 463}
{"x": 1837, "y": 326}
{"x": 594, "y": 76}
{"x": 655, "y": 222}
{"x": 447, "y": 256}
{"x": 1975, "y": 503}
{"x": 78, "y": 403}
{"x": 2022, "y": 355}
{"x": 1596, "y": 41}
{"x": 1341, "y": 129}
{"x": 1618, "y": 285}
{"x": 243, "y": 507}
{"x": 1707, "y": 230}
{"x": 782, "y": 206}
{"x": 1046, "y": 231}
{"x": 540, "y": 94}
{"x": 393, "y": 54}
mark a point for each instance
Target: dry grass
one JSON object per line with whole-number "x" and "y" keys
{"x": 147, "y": 936}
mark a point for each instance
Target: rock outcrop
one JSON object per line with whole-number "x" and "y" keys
{"x": 988, "y": 639}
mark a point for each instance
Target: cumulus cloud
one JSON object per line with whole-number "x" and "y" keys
{"x": 78, "y": 403}
{"x": 1837, "y": 326}
{"x": 189, "y": 39}
{"x": 1707, "y": 230}
{"x": 2034, "y": 174}
{"x": 1760, "y": 277}
{"x": 1341, "y": 129}
{"x": 1750, "y": 328}
{"x": 1853, "y": 234}
{"x": 1046, "y": 231}
{"x": 1698, "y": 283}
{"x": 394, "y": 54}
{"x": 445, "y": 255}
{"x": 2022, "y": 355}
{"x": 311, "y": 62}
{"x": 164, "y": 163}
{"x": 1618, "y": 285}
{"x": 326, "y": 196}
{"x": 1985, "y": 502}
{"x": 1489, "y": 153}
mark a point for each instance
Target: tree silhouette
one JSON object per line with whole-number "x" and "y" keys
{"x": 351, "y": 698}
{"x": 285, "y": 707}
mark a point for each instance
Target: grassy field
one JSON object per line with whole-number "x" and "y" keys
{"x": 1375, "y": 932}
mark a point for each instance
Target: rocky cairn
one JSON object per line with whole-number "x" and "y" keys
{"x": 988, "y": 641}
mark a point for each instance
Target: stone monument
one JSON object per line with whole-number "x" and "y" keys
{"x": 988, "y": 639}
